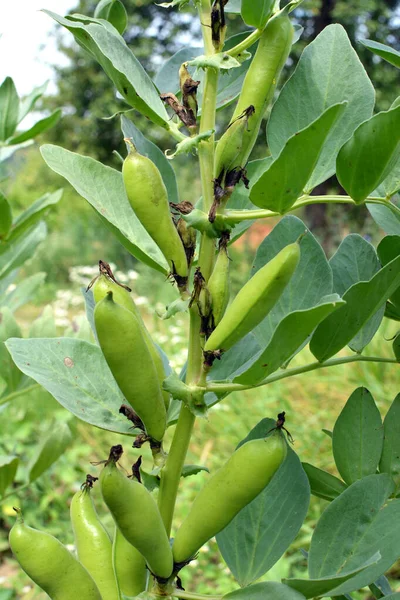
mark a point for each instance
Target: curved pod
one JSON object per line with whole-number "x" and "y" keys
{"x": 50, "y": 565}
{"x": 256, "y": 298}
{"x": 101, "y": 287}
{"x": 125, "y": 349}
{"x": 247, "y": 472}
{"x": 262, "y": 77}
{"x": 136, "y": 514}
{"x": 218, "y": 285}
{"x": 148, "y": 197}
{"x": 93, "y": 545}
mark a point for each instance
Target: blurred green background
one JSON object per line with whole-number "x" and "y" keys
{"x": 77, "y": 240}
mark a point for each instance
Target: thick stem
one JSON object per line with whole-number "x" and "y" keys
{"x": 237, "y": 216}
{"x": 215, "y": 386}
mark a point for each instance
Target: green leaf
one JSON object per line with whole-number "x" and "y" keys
{"x": 325, "y": 586}
{"x": 388, "y": 249}
{"x": 387, "y": 216}
{"x": 8, "y": 470}
{"x": 290, "y": 335}
{"x": 363, "y": 300}
{"x": 256, "y": 12}
{"x": 229, "y": 83}
{"x": 103, "y": 188}
{"x": 367, "y": 158}
{"x": 18, "y": 251}
{"x": 38, "y": 128}
{"x": 395, "y": 596}
{"x": 390, "y": 459}
{"x": 259, "y": 535}
{"x": 358, "y": 437}
{"x": 44, "y": 325}
{"x": 381, "y": 587}
{"x": 114, "y": 12}
{"x": 8, "y": 370}
{"x": 396, "y": 346}
{"x": 144, "y": 146}
{"x": 392, "y": 312}
{"x": 338, "y": 76}
{"x": 323, "y": 484}
{"x": 23, "y": 292}
{"x": 28, "y": 102}
{"x": 355, "y": 526}
{"x": 389, "y": 54}
{"x": 5, "y": 216}
{"x": 279, "y": 187}
{"x": 189, "y": 470}
{"x": 77, "y": 375}
{"x": 267, "y": 590}
{"x": 53, "y": 446}
{"x": 356, "y": 260}
{"x": 119, "y": 63}
{"x": 34, "y": 213}
{"x": 9, "y": 108}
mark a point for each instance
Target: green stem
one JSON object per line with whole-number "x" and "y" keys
{"x": 19, "y": 393}
{"x": 237, "y": 216}
{"x": 246, "y": 43}
{"x": 220, "y": 387}
{"x": 191, "y": 596}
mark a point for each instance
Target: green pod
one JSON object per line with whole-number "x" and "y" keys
{"x": 93, "y": 545}
{"x": 127, "y": 354}
{"x": 247, "y": 472}
{"x": 229, "y": 146}
{"x": 254, "y": 301}
{"x": 5, "y": 216}
{"x": 218, "y": 285}
{"x": 262, "y": 77}
{"x": 129, "y": 566}
{"x": 136, "y": 514}
{"x": 50, "y": 565}
{"x": 148, "y": 197}
{"x": 121, "y": 296}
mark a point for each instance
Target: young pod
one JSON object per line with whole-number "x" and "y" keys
{"x": 218, "y": 285}
{"x": 136, "y": 514}
{"x": 247, "y": 472}
{"x": 93, "y": 545}
{"x": 127, "y": 354}
{"x": 129, "y": 566}
{"x": 50, "y": 565}
{"x": 148, "y": 197}
{"x": 229, "y": 146}
{"x": 261, "y": 78}
{"x": 254, "y": 301}
{"x": 121, "y": 296}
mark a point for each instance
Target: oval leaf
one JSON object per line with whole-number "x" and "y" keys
{"x": 370, "y": 154}
{"x": 363, "y": 300}
{"x": 390, "y": 459}
{"x": 358, "y": 437}
{"x": 338, "y": 76}
{"x": 323, "y": 484}
{"x": 77, "y": 375}
{"x": 9, "y": 108}
{"x": 51, "y": 449}
{"x": 391, "y": 55}
{"x": 284, "y": 181}
{"x": 352, "y": 528}
{"x": 256, "y": 12}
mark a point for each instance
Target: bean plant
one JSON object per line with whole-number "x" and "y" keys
{"x": 321, "y": 123}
